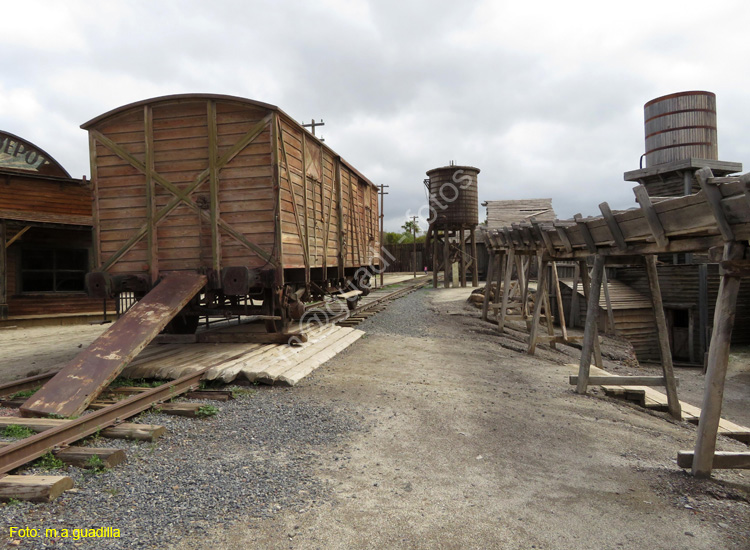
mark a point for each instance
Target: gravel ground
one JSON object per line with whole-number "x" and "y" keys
{"x": 250, "y": 461}
{"x": 424, "y": 434}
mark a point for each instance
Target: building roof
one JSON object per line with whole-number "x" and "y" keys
{"x": 504, "y": 213}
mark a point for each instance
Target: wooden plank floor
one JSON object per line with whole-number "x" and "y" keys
{"x": 263, "y": 363}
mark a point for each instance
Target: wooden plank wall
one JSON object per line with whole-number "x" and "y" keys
{"x": 45, "y": 200}
{"x": 295, "y": 221}
{"x": 180, "y": 138}
{"x": 361, "y": 224}
{"x": 180, "y": 134}
{"x": 120, "y": 192}
{"x": 246, "y": 195}
{"x": 680, "y": 285}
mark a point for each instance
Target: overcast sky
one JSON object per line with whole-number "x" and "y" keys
{"x": 545, "y": 97}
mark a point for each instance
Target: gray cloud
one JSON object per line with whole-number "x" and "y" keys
{"x": 546, "y": 99}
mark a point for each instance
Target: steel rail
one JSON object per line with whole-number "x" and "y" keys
{"x": 10, "y": 388}
{"x": 32, "y": 447}
{"x": 21, "y": 452}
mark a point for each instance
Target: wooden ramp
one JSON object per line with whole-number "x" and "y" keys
{"x": 82, "y": 379}
{"x": 650, "y": 398}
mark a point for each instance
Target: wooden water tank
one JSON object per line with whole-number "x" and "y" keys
{"x": 454, "y": 200}
{"x": 681, "y": 126}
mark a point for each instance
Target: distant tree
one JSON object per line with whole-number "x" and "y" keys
{"x": 391, "y": 237}
{"x": 411, "y": 227}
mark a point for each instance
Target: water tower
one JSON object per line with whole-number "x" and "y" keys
{"x": 454, "y": 215}
{"x": 681, "y": 138}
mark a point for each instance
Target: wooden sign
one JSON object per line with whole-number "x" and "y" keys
{"x": 19, "y": 154}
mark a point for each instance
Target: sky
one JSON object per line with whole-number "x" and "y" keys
{"x": 545, "y": 97}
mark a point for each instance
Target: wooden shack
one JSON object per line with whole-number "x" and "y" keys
{"x": 45, "y": 238}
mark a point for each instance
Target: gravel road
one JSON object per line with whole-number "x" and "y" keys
{"x": 424, "y": 434}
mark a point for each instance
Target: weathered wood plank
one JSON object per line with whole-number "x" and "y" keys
{"x": 34, "y": 488}
{"x": 83, "y": 379}
{"x": 718, "y": 359}
{"x": 721, "y": 460}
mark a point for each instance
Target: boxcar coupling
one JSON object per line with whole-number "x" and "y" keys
{"x": 234, "y": 189}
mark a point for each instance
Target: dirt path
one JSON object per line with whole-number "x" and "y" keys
{"x": 472, "y": 445}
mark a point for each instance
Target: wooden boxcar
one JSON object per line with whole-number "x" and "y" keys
{"x": 232, "y": 188}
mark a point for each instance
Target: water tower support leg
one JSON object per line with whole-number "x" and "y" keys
{"x": 447, "y": 259}
{"x": 475, "y": 262}
{"x": 435, "y": 261}
{"x": 462, "y": 252}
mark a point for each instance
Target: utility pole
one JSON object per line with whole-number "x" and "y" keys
{"x": 414, "y": 237}
{"x": 313, "y": 124}
{"x": 382, "y": 216}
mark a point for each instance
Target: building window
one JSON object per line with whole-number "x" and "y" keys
{"x": 53, "y": 270}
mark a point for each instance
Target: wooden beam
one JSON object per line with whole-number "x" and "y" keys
{"x": 488, "y": 286}
{"x": 524, "y": 275}
{"x": 574, "y": 306}
{"x": 558, "y": 297}
{"x": 500, "y": 269}
{"x": 718, "y": 358}
{"x": 475, "y": 264}
{"x": 544, "y": 237}
{"x": 83, "y": 457}
{"x": 506, "y": 289}
{"x": 17, "y": 236}
{"x": 213, "y": 183}
{"x": 586, "y": 285}
{"x": 713, "y": 197}
{"x": 654, "y": 224}
{"x": 614, "y": 227}
{"x": 3, "y": 271}
{"x": 608, "y": 302}
{"x": 447, "y": 265}
{"x": 735, "y": 268}
{"x": 278, "y": 253}
{"x": 462, "y": 258}
{"x": 564, "y": 237}
{"x": 585, "y": 232}
{"x": 548, "y": 308}
{"x": 621, "y": 380}
{"x": 34, "y": 488}
{"x": 435, "y": 260}
{"x": 538, "y": 304}
{"x": 592, "y": 317}
{"x": 152, "y": 245}
{"x": 722, "y": 460}
{"x": 663, "y": 337}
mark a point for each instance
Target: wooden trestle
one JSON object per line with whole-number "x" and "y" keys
{"x": 716, "y": 217}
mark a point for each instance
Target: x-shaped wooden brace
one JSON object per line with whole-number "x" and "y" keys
{"x": 183, "y": 196}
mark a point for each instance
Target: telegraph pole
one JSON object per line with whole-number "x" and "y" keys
{"x": 382, "y": 216}
{"x": 313, "y": 124}
{"x": 414, "y": 238}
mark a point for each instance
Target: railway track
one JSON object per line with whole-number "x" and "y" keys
{"x": 56, "y": 435}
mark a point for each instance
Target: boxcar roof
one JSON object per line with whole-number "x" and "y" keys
{"x": 177, "y": 98}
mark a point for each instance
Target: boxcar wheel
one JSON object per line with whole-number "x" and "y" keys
{"x": 271, "y": 306}
{"x": 351, "y": 303}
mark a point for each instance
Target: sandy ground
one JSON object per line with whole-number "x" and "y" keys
{"x": 473, "y": 445}
{"x": 470, "y": 443}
